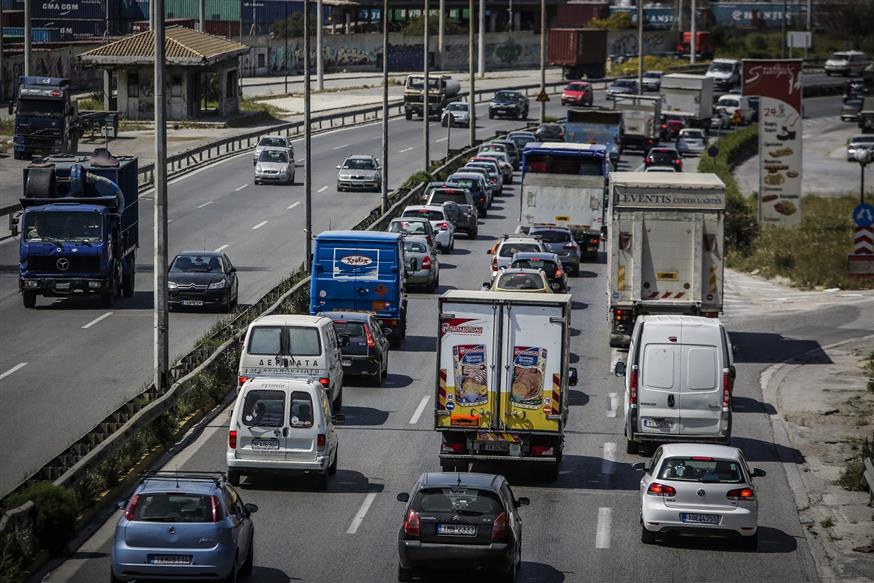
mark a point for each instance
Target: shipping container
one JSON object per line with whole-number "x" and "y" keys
{"x": 38, "y": 35}
{"x": 68, "y": 9}
{"x": 756, "y": 14}
{"x": 578, "y": 14}
{"x": 226, "y": 28}
{"x": 74, "y": 29}
{"x": 133, "y": 10}
{"x": 660, "y": 18}
{"x": 13, "y": 4}
{"x": 215, "y": 9}
{"x": 578, "y": 51}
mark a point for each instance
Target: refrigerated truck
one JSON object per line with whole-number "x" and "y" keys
{"x": 666, "y": 247}
{"x": 502, "y": 378}
{"x": 690, "y": 96}
{"x": 641, "y": 116}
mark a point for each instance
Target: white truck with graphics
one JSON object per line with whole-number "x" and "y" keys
{"x": 502, "y": 378}
{"x": 689, "y": 96}
{"x": 666, "y": 249}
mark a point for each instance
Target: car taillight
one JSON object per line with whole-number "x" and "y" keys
{"x": 558, "y": 272}
{"x": 632, "y": 386}
{"x": 741, "y": 494}
{"x": 232, "y": 439}
{"x": 726, "y": 389}
{"x": 540, "y": 450}
{"x": 499, "y": 528}
{"x": 664, "y": 126}
{"x": 443, "y": 225}
{"x": 426, "y": 262}
{"x": 570, "y": 245}
{"x": 594, "y": 240}
{"x": 412, "y": 527}
{"x": 371, "y": 344}
{"x": 494, "y": 180}
{"x": 618, "y": 314}
{"x": 495, "y": 264}
{"x": 320, "y": 441}
{"x": 648, "y": 159}
{"x": 656, "y": 489}
{"x": 325, "y": 382}
{"x": 482, "y": 200}
{"x": 242, "y": 380}
{"x": 677, "y": 162}
{"x": 131, "y": 507}
{"x": 217, "y": 513}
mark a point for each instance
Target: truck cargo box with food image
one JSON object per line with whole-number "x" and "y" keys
{"x": 529, "y": 365}
{"x": 471, "y": 377}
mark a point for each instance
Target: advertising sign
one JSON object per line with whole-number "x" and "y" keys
{"x": 777, "y": 83}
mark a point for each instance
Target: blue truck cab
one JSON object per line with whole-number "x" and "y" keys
{"x": 362, "y": 271}
{"x": 79, "y": 228}
{"x": 46, "y": 121}
{"x": 596, "y": 126}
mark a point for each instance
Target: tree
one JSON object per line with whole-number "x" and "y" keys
{"x": 416, "y": 26}
{"x": 294, "y": 25}
{"x": 616, "y": 21}
{"x": 853, "y": 20}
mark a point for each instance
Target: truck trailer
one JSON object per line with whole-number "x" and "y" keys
{"x": 690, "y": 96}
{"x": 641, "y": 115}
{"x": 580, "y": 52}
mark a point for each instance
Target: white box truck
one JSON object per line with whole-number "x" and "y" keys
{"x": 502, "y": 378}
{"x": 666, "y": 248}
{"x": 641, "y": 116}
{"x": 690, "y": 96}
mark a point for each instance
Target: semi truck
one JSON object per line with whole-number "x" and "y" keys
{"x": 442, "y": 89}
{"x": 503, "y": 378}
{"x": 565, "y": 184}
{"x": 79, "y": 228}
{"x": 596, "y": 126}
{"x": 666, "y": 249}
{"x": 641, "y": 115}
{"x": 580, "y": 52}
{"x": 690, "y": 96}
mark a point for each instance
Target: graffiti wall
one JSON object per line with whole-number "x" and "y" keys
{"x": 60, "y": 62}
{"x": 624, "y": 42}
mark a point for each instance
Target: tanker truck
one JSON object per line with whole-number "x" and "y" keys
{"x": 442, "y": 89}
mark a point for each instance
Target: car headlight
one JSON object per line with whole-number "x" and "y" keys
{"x": 218, "y": 285}
{"x": 259, "y": 169}
{"x": 285, "y": 168}
{"x": 172, "y": 285}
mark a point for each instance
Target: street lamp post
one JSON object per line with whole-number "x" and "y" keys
{"x": 426, "y": 109}
{"x": 864, "y": 156}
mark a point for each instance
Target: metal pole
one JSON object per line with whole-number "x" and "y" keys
{"x": 27, "y": 37}
{"x": 680, "y": 19}
{"x": 320, "y": 66}
{"x": 161, "y": 309}
{"x": 2, "y": 77}
{"x": 441, "y": 26}
{"x": 471, "y": 77}
{"x": 640, "y": 47}
{"x": 286, "y": 48}
{"x": 783, "y": 33}
{"x": 542, "y": 58}
{"x": 307, "y": 132}
{"x": 481, "y": 52}
{"x": 693, "y": 26}
{"x": 426, "y": 109}
{"x": 201, "y": 13}
{"x": 448, "y": 135}
{"x": 384, "y": 106}
{"x": 862, "y": 193}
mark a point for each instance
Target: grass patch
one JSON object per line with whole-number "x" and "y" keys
{"x": 853, "y": 475}
{"x": 827, "y": 523}
{"x": 247, "y": 104}
{"x": 868, "y": 367}
{"x": 90, "y": 104}
{"x": 733, "y": 44}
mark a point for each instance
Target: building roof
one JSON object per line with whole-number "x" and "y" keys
{"x": 182, "y": 46}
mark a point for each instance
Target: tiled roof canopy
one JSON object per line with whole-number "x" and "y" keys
{"x": 182, "y": 46}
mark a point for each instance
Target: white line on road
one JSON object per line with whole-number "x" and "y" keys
{"x": 259, "y": 225}
{"x": 207, "y": 203}
{"x": 322, "y": 189}
{"x": 441, "y": 140}
{"x": 612, "y": 400}
{"x": 222, "y": 248}
{"x": 419, "y": 410}
{"x": 239, "y": 188}
{"x": 340, "y": 147}
{"x": 169, "y": 221}
{"x": 608, "y": 464}
{"x": 362, "y": 512}
{"x": 602, "y": 532}
{"x": 291, "y": 206}
{"x": 18, "y": 366}
{"x": 405, "y": 150}
{"x": 96, "y": 320}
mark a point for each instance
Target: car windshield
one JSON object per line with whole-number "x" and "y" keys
{"x": 468, "y": 183}
{"x": 692, "y": 134}
{"x": 277, "y": 156}
{"x": 839, "y": 57}
{"x": 548, "y": 266}
{"x": 263, "y": 408}
{"x": 272, "y": 142}
{"x": 720, "y": 68}
{"x": 701, "y": 469}
{"x": 552, "y": 235}
{"x": 520, "y": 281}
{"x": 520, "y": 139}
{"x": 510, "y": 249}
{"x": 493, "y": 148}
{"x": 431, "y": 215}
{"x": 62, "y": 226}
{"x": 505, "y": 96}
{"x": 457, "y": 499}
{"x": 173, "y": 507}
{"x": 456, "y": 107}
{"x": 497, "y": 156}
{"x": 623, "y": 83}
{"x": 359, "y": 164}
{"x": 415, "y": 247}
{"x": 577, "y": 87}
{"x": 197, "y": 264}
{"x": 418, "y": 83}
{"x": 863, "y": 140}
{"x": 729, "y": 102}
{"x": 40, "y": 107}
{"x": 652, "y": 75}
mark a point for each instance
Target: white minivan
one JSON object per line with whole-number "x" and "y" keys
{"x": 294, "y": 345}
{"x": 282, "y": 425}
{"x": 678, "y": 381}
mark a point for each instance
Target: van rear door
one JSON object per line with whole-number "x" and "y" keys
{"x": 302, "y": 428}
{"x": 349, "y": 276}
{"x": 261, "y": 424}
{"x": 658, "y": 393}
{"x": 701, "y": 390}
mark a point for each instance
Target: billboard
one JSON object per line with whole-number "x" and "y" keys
{"x": 777, "y": 83}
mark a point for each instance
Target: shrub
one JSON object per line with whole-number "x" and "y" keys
{"x": 56, "y": 512}
{"x": 616, "y": 21}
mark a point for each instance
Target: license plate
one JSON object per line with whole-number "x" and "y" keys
{"x": 496, "y": 446}
{"x": 265, "y": 444}
{"x": 457, "y": 529}
{"x": 701, "y": 518}
{"x": 657, "y": 423}
{"x": 169, "y": 560}
{"x": 62, "y": 285}
{"x": 347, "y": 363}
{"x": 192, "y": 302}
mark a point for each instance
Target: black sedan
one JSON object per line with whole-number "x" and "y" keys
{"x": 461, "y": 521}
{"x": 549, "y": 132}
{"x": 363, "y": 345}
{"x": 202, "y": 278}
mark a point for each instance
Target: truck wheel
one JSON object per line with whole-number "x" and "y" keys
{"x": 552, "y": 471}
{"x": 129, "y": 279}
{"x": 408, "y": 114}
{"x": 28, "y": 299}
{"x": 631, "y": 446}
{"x": 234, "y": 477}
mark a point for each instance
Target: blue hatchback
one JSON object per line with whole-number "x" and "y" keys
{"x": 183, "y": 526}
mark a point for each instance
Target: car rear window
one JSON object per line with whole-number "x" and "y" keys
{"x": 304, "y": 341}
{"x": 663, "y": 155}
{"x": 520, "y": 281}
{"x": 701, "y": 469}
{"x": 553, "y": 236}
{"x": 301, "y": 414}
{"x": 414, "y": 247}
{"x": 432, "y": 215}
{"x": 173, "y": 507}
{"x": 511, "y": 249}
{"x": 265, "y": 340}
{"x": 351, "y": 329}
{"x": 411, "y": 227}
{"x": 468, "y": 183}
{"x": 458, "y": 499}
{"x": 545, "y": 265}
{"x": 263, "y": 408}
{"x": 439, "y": 197}
{"x": 272, "y": 142}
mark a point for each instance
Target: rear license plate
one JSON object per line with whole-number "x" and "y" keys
{"x": 169, "y": 559}
{"x": 192, "y": 302}
{"x": 62, "y": 285}
{"x": 265, "y": 444}
{"x": 457, "y": 529}
{"x": 657, "y": 423}
{"x": 496, "y": 446}
{"x": 347, "y": 363}
{"x": 701, "y": 518}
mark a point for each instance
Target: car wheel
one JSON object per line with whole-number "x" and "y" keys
{"x": 404, "y": 574}
{"x": 647, "y": 537}
{"x": 631, "y": 446}
{"x": 250, "y": 558}
{"x": 491, "y": 115}
{"x": 28, "y": 299}
{"x": 233, "y": 576}
{"x": 338, "y": 402}
{"x": 750, "y": 543}
{"x": 332, "y": 469}
{"x": 234, "y": 477}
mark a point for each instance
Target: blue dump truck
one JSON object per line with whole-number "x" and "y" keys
{"x": 79, "y": 228}
{"x": 596, "y": 126}
{"x": 362, "y": 271}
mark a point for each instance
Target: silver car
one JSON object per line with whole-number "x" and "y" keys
{"x": 273, "y": 142}
{"x": 424, "y": 268}
{"x": 274, "y": 165}
{"x": 360, "y": 172}
{"x": 458, "y": 112}
{"x": 691, "y": 142}
{"x": 859, "y": 142}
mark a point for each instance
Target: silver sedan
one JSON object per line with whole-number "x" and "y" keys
{"x": 274, "y": 165}
{"x": 359, "y": 172}
{"x": 422, "y": 263}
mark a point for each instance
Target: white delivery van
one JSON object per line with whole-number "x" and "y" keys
{"x": 678, "y": 381}
{"x": 293, "y": 346}
{"x": 281, "y": 426}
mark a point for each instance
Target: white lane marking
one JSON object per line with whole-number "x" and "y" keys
{"x": 612, "y": 400}
{"x": 362, "y": 512}
{"x": 96, "y": 320}
{"x": 259, "y": 225}
{"x": 405, "y": 150}
{"x": 222, "y": 248}
{"x": 340, "y": 147}
{"x": 608, "y": 464}
{"x": 419, "y": 410}
{"x": 239, "y": 188}
{"x": 322, "y": 189}
{"x": 18, "y": 366}
{"x": 441, "y": 140}
{"x": 291, "y": 206}
{"x": 169, "y": 221}
{"x": 207, "y": 203}
{"x": 602, "y": 532}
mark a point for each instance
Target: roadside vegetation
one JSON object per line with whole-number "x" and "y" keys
{"x": 650, "y": 63}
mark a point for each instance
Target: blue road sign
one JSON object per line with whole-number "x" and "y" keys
{"x": 863, "y": 215}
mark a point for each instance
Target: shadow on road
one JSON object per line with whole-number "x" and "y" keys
{"x": 530, "y": 571}
{"x": 445, "y": 265}
{"x": 771, "y": 540}
{"x": 577, "y": 471}
{"x": 269, "y": 575}
{"x": 344, "y": 482}
{"x": 583, "y": 274}
{"x": 364, "y": 416}
{"x": 459, "y": 251}
{"x": 577, "y": 398}
{"x": 418, "y": 344}
{"x": 396, "y": 381}
{"x": 748, "y": 405}
{"x": 579, "y": 305}
{"x": 766, "y": 347}
{"x": 757, "y": 450}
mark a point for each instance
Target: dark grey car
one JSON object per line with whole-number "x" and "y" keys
{"x": 560, "y": 240}
{"x": 466, "y": 218}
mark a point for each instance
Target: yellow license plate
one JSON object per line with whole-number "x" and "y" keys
{"x": 562, "y": 218}
{"x": 667, "y": 275}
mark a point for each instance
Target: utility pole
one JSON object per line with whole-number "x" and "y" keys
{"x": 201, "y": 13}
{"x": 441, "y": 30}
{"x": 481, "y": 52}
{"x": 426, "y": 109}
{"x": 2, "y": 78}
{"x": 320, "y": 66}
{"x": 161, "y": 309}
{"x": 384, "y": 182}
{"x": 640, "y": 47}
{"x": 286, "y": 47}
{"x": 543, "y": 58}
{"x": 28, "y": 34}
{"x": 693, "y": 42}
{"x": 680, "y": 18}
{"x": 471, "y": 77}
{"x": 307, "y": 133}
{"x": 783, "y": 33}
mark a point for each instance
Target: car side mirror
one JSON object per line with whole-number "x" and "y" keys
{"x": 233, "y": 270}
{"x": 620, "y": 369}
{"x": 250, "y": 508}
{"x": 572, "y": 376}
{"x": 523, "y": 501}
{"x": 338, "y": 166}
{"x": 403, "y": 497}
{"x": 121, "y": 504}
{"x": 338, "y": 418}
{"x": 759, "y": 473}
{"x": 639, "y": 466}
{"x": 486, "y": 286}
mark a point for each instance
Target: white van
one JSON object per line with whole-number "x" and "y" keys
{"x": 732, "y": 104}
{"x": 294, "y": 345}
{"x": 678, "y": 381}
{"x": 282, "y": 425}
{"x": 725, "y": 74}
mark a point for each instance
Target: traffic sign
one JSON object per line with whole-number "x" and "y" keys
{"x": 713, "y": 151}
{"x": 863, "y": 215}
{"x": 542, "y": 97}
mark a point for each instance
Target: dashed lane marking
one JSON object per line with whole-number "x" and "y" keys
{"x": 259, "y": 225}
{"x": 18, "y": 366}
{"x": 602, "y": 531}
{"x": 362, "y": 512}
{"x": 96, "y": 320}
{"x": 419, "y": 410}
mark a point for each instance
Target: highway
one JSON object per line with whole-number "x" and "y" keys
{"x": 584, "y": 527}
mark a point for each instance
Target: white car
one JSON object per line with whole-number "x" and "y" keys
{"x": 846, "y": 63}
{"x": 509, "y": 245}
{"x": 273, "y": 142}
{"x": 274, "y": 165}
{"x": 859, "y": 142}
{"x": 699, "y": 489}
{"x": 444, "y": 230}
{"x": 731, "y": 104}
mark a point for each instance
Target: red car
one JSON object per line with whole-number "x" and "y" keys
{"x": 577, "y": 93}
{"x": 671, "y": 126}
